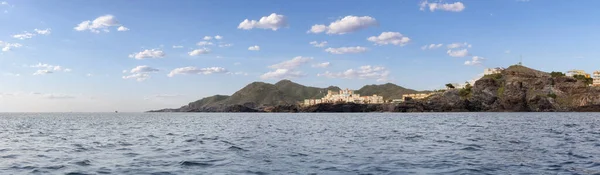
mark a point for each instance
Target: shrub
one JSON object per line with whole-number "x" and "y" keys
{"x": 557, "y": 74}
{"x": 450, "y": 86}
{"x": 585, "y": 80}
{"x": 552, "y": 95}
{"x": 465, "y": 92}
{"x": 497, "y": 76}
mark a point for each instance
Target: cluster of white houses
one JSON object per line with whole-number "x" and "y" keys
{"x": 345, "y": 96}
{"x": 348, "y": 96}
{"x": 595, "y": 75}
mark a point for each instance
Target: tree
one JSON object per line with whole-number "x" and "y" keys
{"x": 468, "y": 86}
{"x": 450, "y": 86}
{"x": 557, "y": 74}
{"x": 585, "y": 79}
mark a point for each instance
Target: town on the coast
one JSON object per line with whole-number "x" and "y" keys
{"x": 348, "y": 96}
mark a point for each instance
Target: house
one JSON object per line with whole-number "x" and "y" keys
{"x": 572, "y": 73}
{"x": 490, "y": 71}
{"x": 596, "y": 78}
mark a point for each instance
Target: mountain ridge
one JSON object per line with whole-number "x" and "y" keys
{"x": 259, "y": 95}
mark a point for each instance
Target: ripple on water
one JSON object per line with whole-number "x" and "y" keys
{"x": 11, "y": 156}
{"x": 235, "y": 148}
{"x": 55, "y": 167}
{"x": 83, "y": 163}
{"x": 195, "y": 164}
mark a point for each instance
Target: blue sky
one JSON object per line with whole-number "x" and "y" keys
{"x": 68, "y": 64}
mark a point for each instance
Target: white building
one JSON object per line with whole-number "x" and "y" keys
{"x": 490, "y": 71}
{"x": 596, "y": 78}
{"x": 345, "y": 96}
{"x": 572, "y": 73}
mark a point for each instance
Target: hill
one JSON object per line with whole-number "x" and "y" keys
{"x": 388, "y": 91}
{"x": 258, "y": 95}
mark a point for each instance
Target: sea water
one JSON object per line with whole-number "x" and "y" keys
{"x": 247, "y": 143}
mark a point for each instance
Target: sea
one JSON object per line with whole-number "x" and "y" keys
{"x": 286, "y": 143}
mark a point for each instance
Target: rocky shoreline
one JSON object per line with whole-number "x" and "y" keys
{"x": 516, "y": 89}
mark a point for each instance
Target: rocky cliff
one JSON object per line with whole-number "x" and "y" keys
{"x": 521, "y": 89}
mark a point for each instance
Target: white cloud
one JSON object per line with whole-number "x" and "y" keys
{"x": 101, "y": 23}
{"x": 318, "y": 28}
{"x": 287, "y": 69}
{"x": 364, "y": 72}
{"x": 140, "y": 73}
{"x": 12, "y": 74}
{"x": 254, "y": 48}
{"x": 345, "y": 50}
{"x": 89, "y": 75}
{"x": 507, "y": 51}
{"x": 57, "y": 96}
{"x": 345, "y": 25}
{"x": 43, "y": 32}
{"x": 9, "y": 46}
{"x": 431, "y": 46}
{"x": 225, "y": 45}
{"x": 47, "y": 68}
{"x": 273, "y": 22}
{"x": 199, "y": 52}
{"x": 3, "y": 3}
{"x": 42, "y": 72}
{"x": 292, "y": 64}
{"x": 122, "y": 29}
{"x": 237, "y": 63}
{"x": 153, "y": 53}
{"x": 138, "y": 77}
{"x": 385, "y": 38}
{"x": 318, "y": 44}
{"x": 451, "y": 7}
{"x": 177, "y": 47}
{"x": 458, "y": 45}
{"x": 204, "y": 43}
{"x": 194, "y": 70}
{"x": 476, "y": 60}
{"x": 25, "y": 35}
{"x": 143, "y": 69}
{"x": 207, "y": 38}
{"x": 237, "y": 73}
{"x": 218, "y": 37}
{"x": 283, "y": 74}
{"x": 458, "y": 53}
{"x": 322, "y": 65}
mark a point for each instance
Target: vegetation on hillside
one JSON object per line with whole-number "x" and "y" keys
{"x": 388, "y": 91}
{"x": 586, "y": 80}
{"x": 557, "y": 74}
{"x": 466, "y": 91}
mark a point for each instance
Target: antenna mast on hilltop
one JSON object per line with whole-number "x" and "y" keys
{"x": 520, "y": 60}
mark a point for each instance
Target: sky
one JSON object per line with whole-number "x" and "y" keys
{"x": 133, "y": 56}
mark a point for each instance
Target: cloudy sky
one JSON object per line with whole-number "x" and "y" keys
{"x": 98, "y": 56}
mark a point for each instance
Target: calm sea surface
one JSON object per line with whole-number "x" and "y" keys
{"x": 436, "y": 143}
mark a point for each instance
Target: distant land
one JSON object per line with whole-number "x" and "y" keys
{"x": 515, "y": 89}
